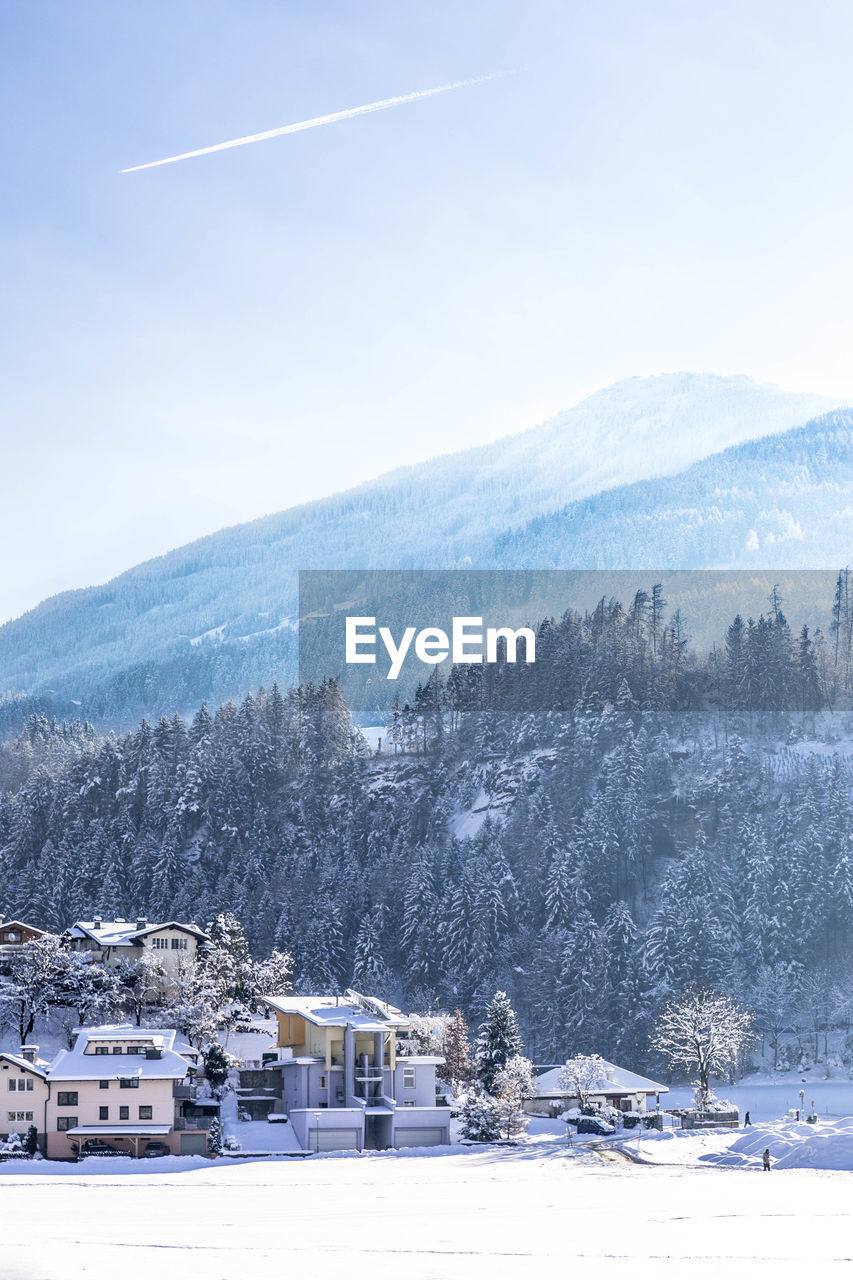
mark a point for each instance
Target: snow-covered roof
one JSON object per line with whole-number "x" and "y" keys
{"x": 127, "y": 933}
{"x": 127, "y": 1031}
{"x": 76, "y": 1064}
{"x": 363, "y": 1013}
{"x": 613, "y": 1080}
{"x": 38, "y": 1068}
{"x": 20, "y": 924}
{"x": 117, "y": 1130}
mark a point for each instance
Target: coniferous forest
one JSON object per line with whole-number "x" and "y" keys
{"x": 593, "y": 835}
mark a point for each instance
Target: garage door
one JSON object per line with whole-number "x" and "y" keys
{"x": 419, "y": 1137}
{"x": 334, "y": 1139}
{"x": 193, "y": 1144}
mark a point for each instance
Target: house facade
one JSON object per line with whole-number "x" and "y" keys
{"x": 13, "y": 935}
{"x": 125, "y": 1088}
{"x": 23, "y": 1093}
{"x": 336, "y": 1074}
{"x": 111, "y": 941}
{"x": 615, "y": 1087}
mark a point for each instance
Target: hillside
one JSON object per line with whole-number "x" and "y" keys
{"x": 780, "y": 502}
{"x": 215, "y": 618}
{"x": 688, "y": 820}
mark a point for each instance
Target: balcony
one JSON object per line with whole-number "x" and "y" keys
{"x": 193, "y": 1122}
{"x": 183, "y": 1091}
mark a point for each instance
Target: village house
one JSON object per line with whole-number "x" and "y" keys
{"x": 336, "y": 1074}
{"x": 23, "y": 1093}
{"x": 110, "y": 941}
{"x": 125, "y": 1088}
{"x": 615, "y": 1087}
{"x": 13, "y": 935}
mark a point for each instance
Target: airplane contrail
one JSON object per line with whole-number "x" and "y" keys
{"x": 320, "y": 120}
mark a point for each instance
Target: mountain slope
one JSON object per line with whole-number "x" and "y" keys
{"x": 212, "y": 619}
{"x": 784, "y": 502}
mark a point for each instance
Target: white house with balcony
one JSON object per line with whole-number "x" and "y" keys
{"x": 124, "y": 1090}
{"x": 336, "y": 1075}
{"x": 109, "y": 941}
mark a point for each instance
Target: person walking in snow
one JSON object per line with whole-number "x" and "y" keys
{"x": 746, "y": 1121}
{"x": 766, "y": 1159}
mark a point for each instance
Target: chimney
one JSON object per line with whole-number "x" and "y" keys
{"x": 96, "y": 923}
{"x": 30, "y": 1052}
{"x": 142, "y": 923}
{"x": 2, "y": 919}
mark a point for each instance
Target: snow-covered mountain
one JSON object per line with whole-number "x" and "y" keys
{"x": 781, "y": 502}
{"x": 213, "y": 618}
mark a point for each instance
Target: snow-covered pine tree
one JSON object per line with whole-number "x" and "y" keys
{"x": 498, "y": 1041}
{"x": 480, "y": 1119}
{"x": 214, "y": 1137}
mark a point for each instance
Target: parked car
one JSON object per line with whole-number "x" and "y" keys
{"x": 97, "y": 1147}
{"x": 156, "y": 1149}
{"x": 594, "y": 1124}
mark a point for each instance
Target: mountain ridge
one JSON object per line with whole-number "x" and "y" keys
{"x": 172, "y": 631}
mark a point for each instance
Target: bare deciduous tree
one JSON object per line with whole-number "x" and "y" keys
{"x": 582, "y": 1076}
{"x": 705, "y": 1032}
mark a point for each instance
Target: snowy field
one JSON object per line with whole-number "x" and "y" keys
{"x": 770, "y": 1099}
{"x": 524, "y": 1211}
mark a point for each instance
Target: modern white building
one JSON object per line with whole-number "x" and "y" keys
{"x": 337, "y": 1076}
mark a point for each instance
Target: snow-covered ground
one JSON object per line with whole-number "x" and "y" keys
{"x": 772, "y": 1099}
{"x": 256, "y": 1135}
{"x": 524, "y": 1211}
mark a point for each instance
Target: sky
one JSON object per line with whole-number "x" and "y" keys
{"x": 659, "y": 187}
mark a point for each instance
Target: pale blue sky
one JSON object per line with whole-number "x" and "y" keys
{"x": 667, "y": 186}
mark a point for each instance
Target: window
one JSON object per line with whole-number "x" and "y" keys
{"x": 103, "y": 1113}
{"x": 12, "y": 935}
{"x": 323, "y": 1082}
{"x": 117, "y": 1048}
{"x": 408, "y": 1102}
{"x": 145, "y": 1113}
{"x": 408, "y": 1077}
{"x": 134, "y": 1048}
{"x": 160, "y": 944}
{"x": 17, "y": 1117}
{"x": 21, "y": 1085}
{"x": 66, "y": 1099}
{"x": 129, "y": 1082}
{"x": 101, "y": 1048}
{"x": 103, "y": 1084}
{"x": 179, "y": 944}
{"x": 124, "y": 1113}
{"x": 66, "y": 1122}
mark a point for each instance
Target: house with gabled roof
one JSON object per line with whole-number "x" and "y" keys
{"x": 23, "y": 1093}
{"x": 14, "y": 934}
{"x": 125, "y": 1090}
{"x": 110, "y": 941}
{"x": 614, "y": 1087}
{"x": 337, "y": 1075}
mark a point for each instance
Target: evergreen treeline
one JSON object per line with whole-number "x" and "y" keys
{"x": 637, "y": 658}
{"x": 591, "y": 863}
